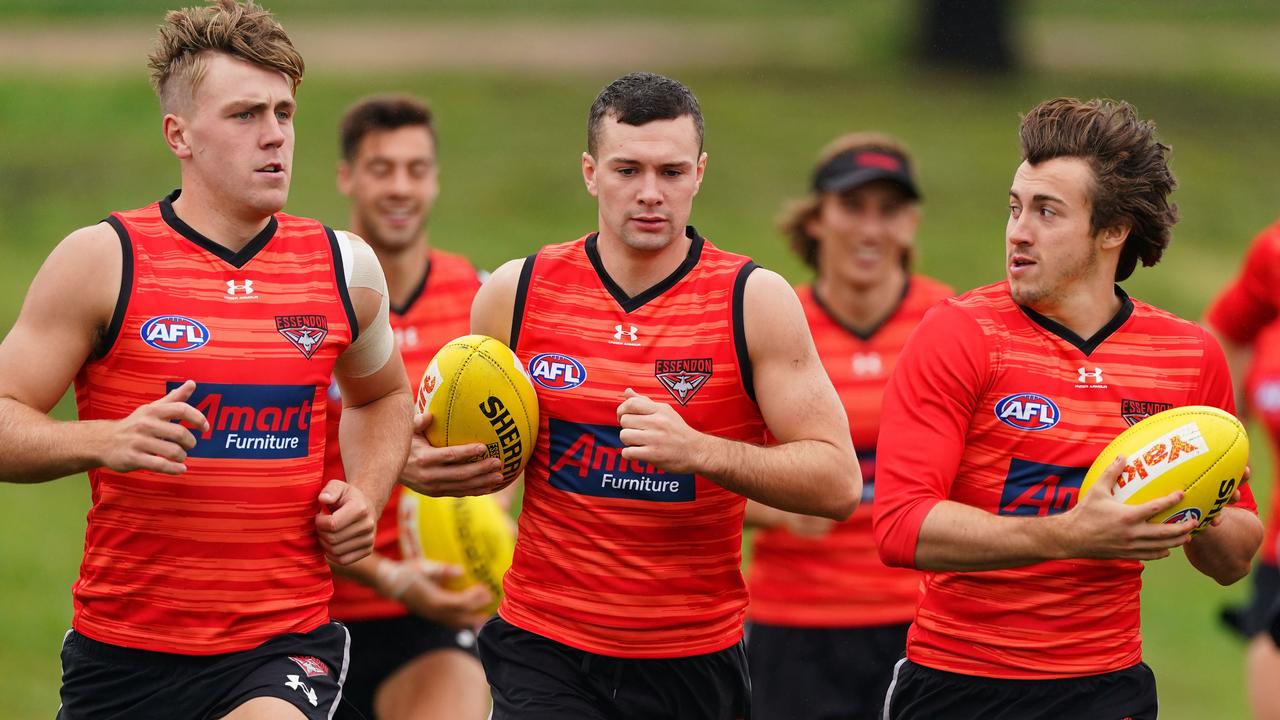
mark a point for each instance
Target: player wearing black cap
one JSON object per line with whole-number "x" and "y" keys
{"x": 827, "y": 619}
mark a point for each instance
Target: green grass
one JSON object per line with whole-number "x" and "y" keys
{"x": 72, "y": 150}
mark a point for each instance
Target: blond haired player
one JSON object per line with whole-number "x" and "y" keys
{"x": 201, "y": 332}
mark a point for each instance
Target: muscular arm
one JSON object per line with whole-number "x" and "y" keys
{"x": 377, "y": 408}
{"x": 495, "y": 302}
{"x": 812, "y": 469}
{"x": 67, "y": 310}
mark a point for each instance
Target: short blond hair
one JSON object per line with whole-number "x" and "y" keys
{"x": 798, "y": 213}
{"x": 242, "y": 30}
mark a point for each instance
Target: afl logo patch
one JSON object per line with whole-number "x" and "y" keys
{"x": 174, "y": 333}
{"x": 1184, "y": 514}
{"x": 1028, "y": 411}
{"x": 554, "y": 371}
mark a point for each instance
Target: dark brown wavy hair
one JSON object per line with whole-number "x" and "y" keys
{"x": 1131, "y": 176}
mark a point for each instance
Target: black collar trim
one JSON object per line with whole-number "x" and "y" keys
{"x": 863, "y": 335}
{"x": 1085, "y": 346}
{"x": 631, "y": 304}
{"x": 235, "y": 259}
{"x": 417, "y": 292}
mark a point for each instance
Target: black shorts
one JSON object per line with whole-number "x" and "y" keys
{"x": 1254, "y": 616}
{"x": 821, "y": 673}
{"x": 918, "y": 693}
{"x": 108, "y": 682}
{"x": 535, "y": 678}
{"x": 381, "y": 647}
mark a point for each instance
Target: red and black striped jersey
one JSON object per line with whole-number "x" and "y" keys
{"x": 226, "y": 555}
{"x": 438, "y": 311}
{"x": 618, "y": 557}
{"x": 997, "y": 407}
{"x": 838, "y": 580}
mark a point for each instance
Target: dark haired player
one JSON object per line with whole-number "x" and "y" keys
{"x": 660, "y": 361}
{"x": 1243, "y": 317}
{"x": 827, "y": 619}
{"x": 1000, "y": 402}
{"x": 412, "y": 646}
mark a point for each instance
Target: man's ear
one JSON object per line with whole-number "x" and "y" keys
{"x": 175, "y": 136}
{"x": 589, "y": 173}
{"x": 1113, "y": 237}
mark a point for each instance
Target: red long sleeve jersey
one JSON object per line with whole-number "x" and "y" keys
{"x": 1245, "y": 313}
{"x": 994, "y": 406}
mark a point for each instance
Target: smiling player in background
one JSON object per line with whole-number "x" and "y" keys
{"x": 412, "y": 645}
{"x": 204, "y": 587}
{"x": 827, "y": 619}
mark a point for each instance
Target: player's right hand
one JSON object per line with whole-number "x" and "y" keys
{"x": 421, "y": 589}
{"x": 156, "y": 436}
{"x": 454, "y": 471}
{"x": 1101, "y": 527}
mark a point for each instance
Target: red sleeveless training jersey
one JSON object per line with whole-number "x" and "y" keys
{"x": 838, "y": 580}
{"x": 998, "y": 407}
{"x": 616, "y": 557}
{"x": 438, "y": 311}
{"x": 224, "y": 556}
{"x": 1245, "y": 312}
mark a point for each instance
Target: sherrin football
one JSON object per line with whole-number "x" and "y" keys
{"x": 472, "y": 533}
{"x": 477, "y": 392}
{"x": 1198, "y": 449}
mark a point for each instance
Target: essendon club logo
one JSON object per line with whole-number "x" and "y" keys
{"x": 683, "y": 378}
{"x": 312, "y": 666}
{"x": 1134, "y": 411}
{"x": 305, "y": 332}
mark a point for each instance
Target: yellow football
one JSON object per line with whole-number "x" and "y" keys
{"x": 473, "y": 533}
{"x": 477, "y": 392}
{"x": 1198, "y": 449}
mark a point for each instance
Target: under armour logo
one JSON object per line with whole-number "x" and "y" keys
{"x": 244, "y": 288}
{"x": 867, "y": 364}
{"x": 1093, "y": 376}
{"x": 620, "y": 333}
{"x": 296, "y": 684}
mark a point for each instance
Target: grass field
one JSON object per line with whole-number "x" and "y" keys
{"x": 73, "y": 148}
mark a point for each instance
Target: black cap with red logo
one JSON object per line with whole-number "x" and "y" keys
{"x": 854, "y": 168}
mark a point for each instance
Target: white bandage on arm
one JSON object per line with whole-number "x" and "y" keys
{"x": 375, "y": 343}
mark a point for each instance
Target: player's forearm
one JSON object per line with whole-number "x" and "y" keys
{"x": 375, "y": 444}
{"x": 363, "y": 571}
{"x": 1225, "y": 552}
{"x": 957, "y": 537}
{"x": 35, "y": 448}
{"x": 810, "y": 477}
{"x": 762, "y": 516}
